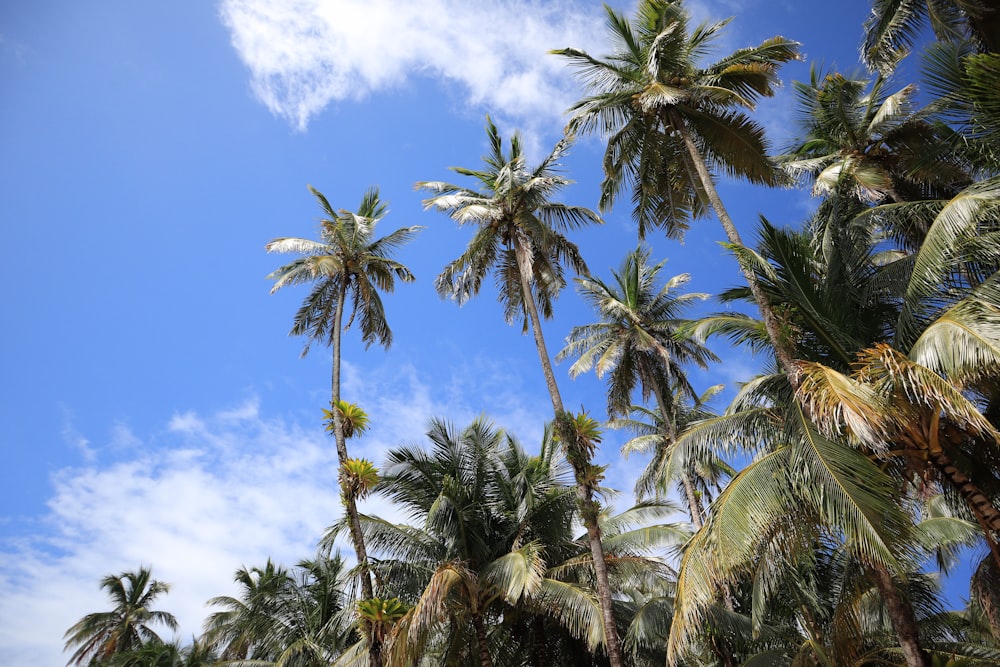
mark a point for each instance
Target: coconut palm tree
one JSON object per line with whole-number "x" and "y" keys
{"x": 285, "y": 618}
{"x": 910, "y": 402}
{"x": 700, "y": 480}
{"x": 833, "y": 306}
{"x": 348, "y": 267}
{"x": 670, "y": 120}
{"x": 491, "y": 538}
{"x": 127, "y": 626}
{"x": 892, "y": 28}
{"x": 859, "y": 140}
{"x": 241, "y": 629}
{"x": 488, "y": 522}
{"x": 519, "y": 238}
{"x": 171, "y": 654}
{"x": 639, "y": 341}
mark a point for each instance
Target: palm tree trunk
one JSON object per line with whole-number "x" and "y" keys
{"x": 977, "y": 500}
{"x": 353, "y": 520}
{"x": 670, "y": 432}
{"x": 583, "y": 492}
{"x": 484, "y": 649}
{"x": 539, "y": 653}
{"x": 903, "y": 620}
{"x": 901, "y": 613}
{"x": 733, "y": 235}
{"x": 979, "y": 503}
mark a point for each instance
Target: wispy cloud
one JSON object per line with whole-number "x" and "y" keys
{"x": 206, "y": 493}
{"x": 305, "y": 54}
{"x": 195, "y": 503}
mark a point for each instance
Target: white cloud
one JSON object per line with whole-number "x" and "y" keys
{"x": 205, "y": 494}
{"x": 226, "y": 490}
{"x": 72, "y": 437}
{"x": 305, "y": 54}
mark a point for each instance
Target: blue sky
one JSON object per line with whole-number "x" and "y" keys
{"x": 156, "y": 411}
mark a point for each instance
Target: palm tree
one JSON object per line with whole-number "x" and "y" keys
{"x": 488, "y": 567}
{"x": 126, "y": 627}
{"x": 859, "y": 140}
{"x": 488, "y": 523}
{"x": 639, "y": 341}
{"x": 669, "y": 120}
{"x": 699, "y": 479}
{"x": 519, "y": 238}
{"x": 349, "y": 266}
{"x": 893, "y": 26}
{"x": 241, "y": 629}
{"x": 172, "y": 654}
{"x": 288, "y": 619}
{"x": 905, "y": 406}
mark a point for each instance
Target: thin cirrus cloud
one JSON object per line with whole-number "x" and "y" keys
{"x": 305, "y": 54}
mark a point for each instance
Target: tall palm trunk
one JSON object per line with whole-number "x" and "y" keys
{"x": 733, "y": 235}
{"x": 904, "y": 621}
{"x": 900, "y": 608}
{"x": 584, "y": 492}
{"x": 670, "y": 433}
{"x": 353, "y": 520}
{"x": 481, "y": 643}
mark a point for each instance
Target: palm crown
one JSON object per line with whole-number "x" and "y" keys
{"x": 126, "y": 627}
{"x": 875, "y": 143}
{"x": 514, "y": 213}
{"x": 652, "y": 91}
{"x": 348, "y": 259}
{"x": 638, "y": 340}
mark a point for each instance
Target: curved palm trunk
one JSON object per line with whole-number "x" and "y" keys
{"x": 974, "y": 497}
{"x": 977, "y": 500}
{"x": 903, "y": 620}
{"x": 584, "y": 493}
{"x": 354, "y": 521}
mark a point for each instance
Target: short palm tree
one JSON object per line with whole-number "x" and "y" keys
{"x": 127, "y": 626}
{"x": 670, "y": 119}
{"x": 171, "y": 654}
{"x": 284, "y": 618}
{"x": 241, "y": 629}
{"x": 519, "y": 238}
{"x": 488, "y": 522}
{"x": 348, "y": 267}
